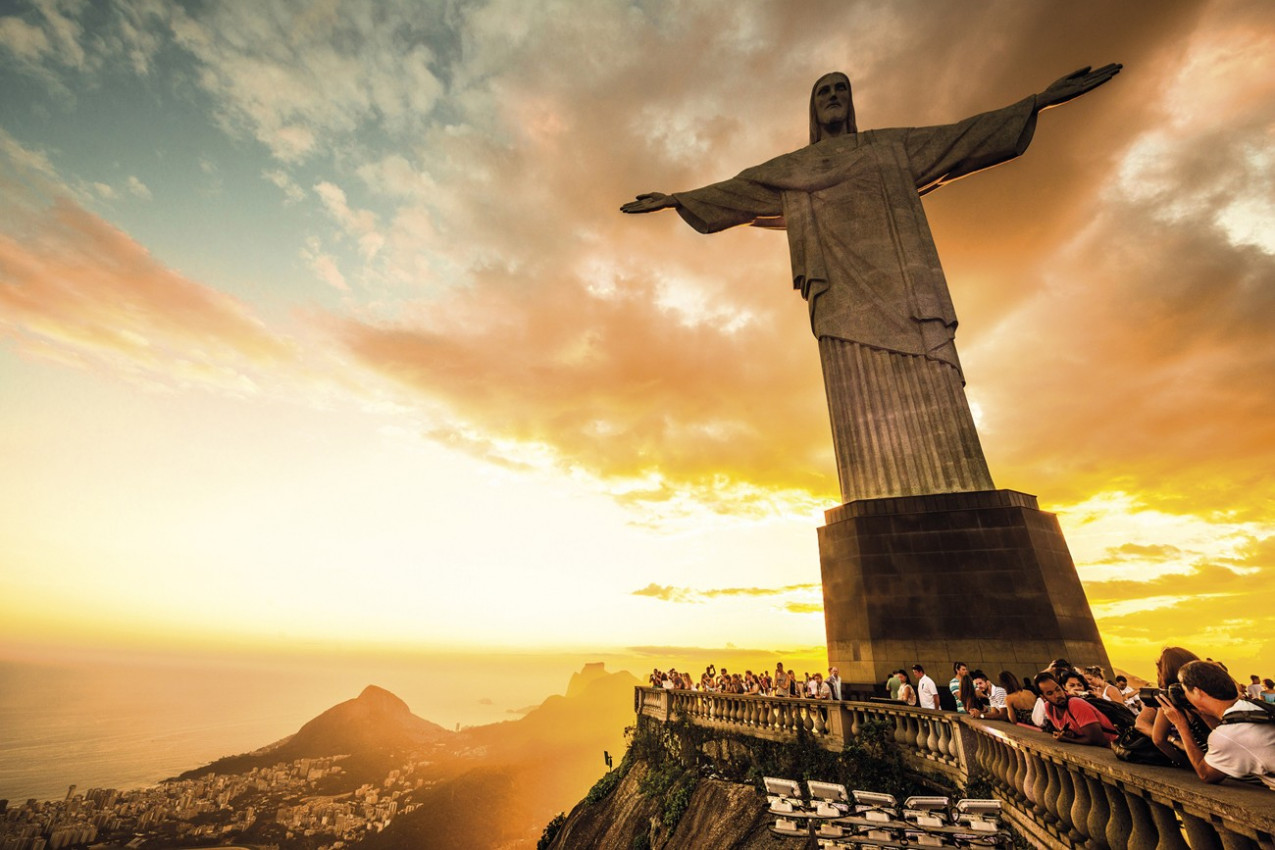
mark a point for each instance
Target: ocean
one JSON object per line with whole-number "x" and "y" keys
{"x": 128, "y": 722}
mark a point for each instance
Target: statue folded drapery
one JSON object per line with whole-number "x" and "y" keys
{"x": 865, "y": 261}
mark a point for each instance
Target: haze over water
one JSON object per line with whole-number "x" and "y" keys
{"x": 125, "y": 723}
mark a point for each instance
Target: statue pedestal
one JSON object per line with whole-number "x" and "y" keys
{"x": 982, "y": 577}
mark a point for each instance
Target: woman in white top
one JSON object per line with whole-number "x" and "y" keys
{"x": 1100, "y": 687}
{"x": 907, "y": 693}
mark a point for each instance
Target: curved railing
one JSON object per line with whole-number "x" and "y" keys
{"x": 1059, "y": 795}
{"x": 764, "y": 717}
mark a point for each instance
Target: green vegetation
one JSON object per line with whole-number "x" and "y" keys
{"x": 551, "y": 831}
{"x": 676, "y": 754}
{"x": 670, "y": 751}
{"x": 868, "y": 761}
{"x": 604, "y": 786}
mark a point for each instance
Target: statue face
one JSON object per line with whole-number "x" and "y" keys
{"x": 832, "y": 99}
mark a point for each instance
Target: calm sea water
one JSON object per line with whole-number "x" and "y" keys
{"x": 127, "y": 723}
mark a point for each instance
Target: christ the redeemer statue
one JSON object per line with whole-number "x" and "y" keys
{"x": 864, "y": 260}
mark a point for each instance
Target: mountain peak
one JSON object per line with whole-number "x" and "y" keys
{"x": 588, "y": 674}
{"x": 382, "y": 698}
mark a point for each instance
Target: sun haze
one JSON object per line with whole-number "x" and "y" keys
{"x": 320, "y": 327}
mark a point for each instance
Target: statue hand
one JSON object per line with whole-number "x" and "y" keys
{"x": 650, "y": 202}
{"x": 1075, "y": 84}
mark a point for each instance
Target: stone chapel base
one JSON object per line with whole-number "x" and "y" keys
{"x": 982, "y": 577}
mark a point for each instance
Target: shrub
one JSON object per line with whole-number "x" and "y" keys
{"x": 551, "y": 830}
{"x": 603, "y": 787}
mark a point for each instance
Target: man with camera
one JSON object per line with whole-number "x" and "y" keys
{"x": 1242, "y": 746}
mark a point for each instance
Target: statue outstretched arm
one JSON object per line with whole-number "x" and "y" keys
{"x": 650, "y": 202}
{"x": 1075, "y": 84}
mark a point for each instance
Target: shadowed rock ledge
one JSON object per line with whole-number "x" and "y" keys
{"x": 725, "y": 815}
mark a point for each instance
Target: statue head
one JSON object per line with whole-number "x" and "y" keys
{"x": 831, "y": 107}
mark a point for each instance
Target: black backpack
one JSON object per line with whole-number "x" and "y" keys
{"x": 1120, "y": 716}
{"x": 1264, "y": 714}
{"x": 947, "y": 700}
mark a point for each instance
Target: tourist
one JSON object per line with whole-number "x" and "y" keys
{"x": 1130, "y": 695}
{"x": 968, "y": 699}
{"x": 823, "y": 691}
{"x": 892, "y": 685}
{"x": 959, "y": 671}
{"x": 927, "y": 693}
{"x": 1019, "y": 701}
{"x": 783, "y": 681}
{"x": 1268, "y": 692}
{"x": 1153, "y": 722}
{"x": 1074, "y": 684}
{"x": 1074, "y": 720}
{"x": 834, "y": 683}
{"x": 1100, "y": 687}
{"x": 1254, "y": 689}
{"x": 992, "y": 695}
{"x": 907, "y": 693}
{"x": 1242, "y": 746}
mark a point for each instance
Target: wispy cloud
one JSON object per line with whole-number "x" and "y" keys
{"x": 77, "y": 289}
{"x": 668, "y": 593}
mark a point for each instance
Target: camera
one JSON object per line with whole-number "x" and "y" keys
{"x": 1175, "y": 693}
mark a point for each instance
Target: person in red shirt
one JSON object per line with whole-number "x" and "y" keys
{"x": 1075, "y": 721}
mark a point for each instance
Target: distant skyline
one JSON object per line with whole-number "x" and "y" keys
{"x": 320, "y": 328}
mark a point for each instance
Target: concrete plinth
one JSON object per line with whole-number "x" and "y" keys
{"x": 982, "y": 577}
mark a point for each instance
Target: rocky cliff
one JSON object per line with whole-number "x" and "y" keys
{"x": 720, "y": 815}
{"x": 681, "y": 787}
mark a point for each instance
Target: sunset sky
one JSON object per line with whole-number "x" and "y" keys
{"x": 320, "y": 327}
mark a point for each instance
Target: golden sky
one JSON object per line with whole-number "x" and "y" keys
{"x": 319, "y": 324}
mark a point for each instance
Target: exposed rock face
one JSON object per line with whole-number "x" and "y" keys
{"x": 721, "y": 816}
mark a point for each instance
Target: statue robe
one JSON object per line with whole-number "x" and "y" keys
{"x": 865, "y": 261}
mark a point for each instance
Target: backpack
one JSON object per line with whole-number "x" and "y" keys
{"x": 1264, "y": 714}
{"x": 1120, "y": 716}
{"x": 947, "y": 700}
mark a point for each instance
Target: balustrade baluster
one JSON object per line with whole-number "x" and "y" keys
{"x": 1236, "y": 841}
{"x": 820, "y": 713}
{"x": 1039, "y": 785}
{"x": 1142, "y": 834}
{"x": 1018, "y": 780}
{"x": 1120, "y": 821}
{"x": 944, "y": 746}
{"x": 1004, "y": 766}
{"x": 856, "y": 722}
{"x": 1063, "y": 799}
{"x": 1079, "y": 814}
{"x": 1099, "y": 813}
{"x": 1200, "y": 834}
{"x": 901, "y": 729}
{"x": 931, "y": 742}
{"x": 990, "y": 757}
{"x": 1166, "y": 824}
{"x": 985, "y": 755}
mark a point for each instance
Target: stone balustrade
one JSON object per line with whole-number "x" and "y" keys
{"x": 1058, "y": 795}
